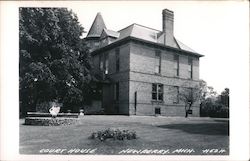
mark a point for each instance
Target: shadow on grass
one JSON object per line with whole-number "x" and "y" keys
{"x": 222, "y": 121}
{"x": 201, "y": 128}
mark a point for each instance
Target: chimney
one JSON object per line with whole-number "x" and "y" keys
{"x": 168, "y": 27}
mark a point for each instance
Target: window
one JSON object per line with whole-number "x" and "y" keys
{"x": 117, "y": 59}
{"x": 96, "y": 44}
{"x": 190, "y": 67}
{"x": 106, "y": 63}
{"x": 157, "y": 62}
{"x": 176, "y": 65}
{"x": 157, "y": 111}
{"x": 176, "y": 94}
{"x": 116, "y": 91}
{"x": 101, "y": 61}
{"x": 157, "y": 92}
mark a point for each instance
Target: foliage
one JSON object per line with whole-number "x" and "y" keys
{"x": 116, "y": 134}
{"x": 190, "y": 95}
{"x": 224, "y": 97}
{"x": 206, "y": 91}
{"x": 198, "y": 93}
{"x": 54, "y": 60}
{"x": 45, "y": 121}
{"x": 216, "y": 106}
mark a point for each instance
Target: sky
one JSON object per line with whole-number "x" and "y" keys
{"x": 215, "y": 29}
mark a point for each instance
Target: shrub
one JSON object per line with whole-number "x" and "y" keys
{"x": 48, "y": 121}
{"x": 116, "y": 134}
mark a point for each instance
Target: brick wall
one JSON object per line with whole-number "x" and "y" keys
{"x": 142, "y": 59}
{"x": 146, "y": 106}
{"x": 109, "y": 103}
{"x": 142, "y": 75}
{"x": 166, "y": 110}
{"x": 137, "y": 74}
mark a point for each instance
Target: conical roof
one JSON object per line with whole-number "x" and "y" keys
{"x": 97, "y": 26}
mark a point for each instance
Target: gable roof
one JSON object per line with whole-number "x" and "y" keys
{"x": 110, "y": 33}
{"x": 97, "y": 26}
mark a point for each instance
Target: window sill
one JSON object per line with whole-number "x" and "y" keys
{"x": 159, "y": 74}
{"x": 157, "y": 102}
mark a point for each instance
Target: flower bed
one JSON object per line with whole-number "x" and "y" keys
{"x": 49, "y": 121}
{"x": 116, "y": 134}
{"x": 40, "y": 114}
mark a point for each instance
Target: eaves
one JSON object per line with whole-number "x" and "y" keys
{"x": 145, "y": 42}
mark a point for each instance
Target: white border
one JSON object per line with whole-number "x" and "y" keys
{"x": 239, "y": 96}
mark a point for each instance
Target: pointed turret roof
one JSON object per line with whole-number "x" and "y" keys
{"x": 97, "y": 26}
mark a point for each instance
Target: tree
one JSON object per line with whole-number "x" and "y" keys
{"x": 190, "y": 95}
{"x": 224, "y": 97}
{"x": 215, "y": 105}
{"x": 206, "y": 91}
{"x": 198, "y": 93}
{"x": 54, "y": 61}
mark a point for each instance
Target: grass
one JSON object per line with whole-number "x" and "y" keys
{"x": 167, "y": 133}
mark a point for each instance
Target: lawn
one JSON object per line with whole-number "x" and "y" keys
{"x": 156, "y": 135}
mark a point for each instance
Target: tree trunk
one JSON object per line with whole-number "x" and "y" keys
{"x": 186, "y": 110}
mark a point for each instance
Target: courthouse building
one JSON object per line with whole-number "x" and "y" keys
{"x": 141, "y": 70}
